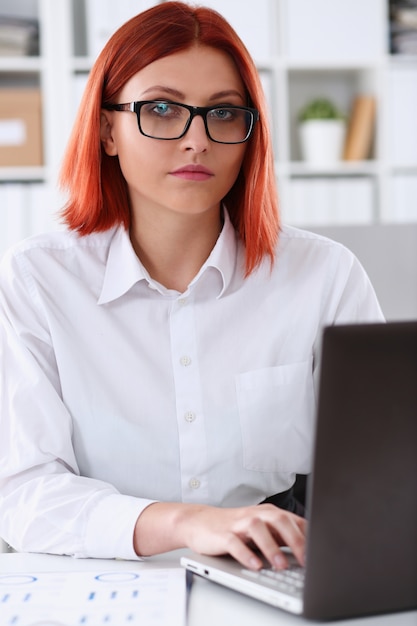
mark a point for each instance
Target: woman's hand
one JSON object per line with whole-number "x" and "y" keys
{"x": 240, "y": 532}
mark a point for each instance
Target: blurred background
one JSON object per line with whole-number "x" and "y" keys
{"x": 340, "y": 78}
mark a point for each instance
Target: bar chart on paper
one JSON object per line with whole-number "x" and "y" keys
{"x": 110, "y": 598}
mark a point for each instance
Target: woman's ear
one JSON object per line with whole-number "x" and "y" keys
{"x": 106, "y": 133}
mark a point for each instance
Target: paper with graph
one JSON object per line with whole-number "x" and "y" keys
{"x": 155, "y": 597}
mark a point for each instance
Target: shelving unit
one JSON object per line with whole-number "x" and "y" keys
{"x": 303, "y": 49}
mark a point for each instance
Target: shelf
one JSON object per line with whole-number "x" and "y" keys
{"x": 331, "y": 65}
{"x": 344, "y": 168}
{"x": 84, "y": 64}
{"x": 403, "y": 59}
{"x": 21, "y": 64}
{"x": 22, "y": 174}
{"x": 405, "y": 168}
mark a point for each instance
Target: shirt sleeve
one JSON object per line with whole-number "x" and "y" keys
{"x": 352, "y": 298}
{"x": 45, "y": 505}
{"x": 349, "y": 299}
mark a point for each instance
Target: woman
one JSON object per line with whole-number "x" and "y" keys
{"x": 159, "y": 357}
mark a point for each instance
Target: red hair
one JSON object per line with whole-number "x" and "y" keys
{"x": 97, "y": 191}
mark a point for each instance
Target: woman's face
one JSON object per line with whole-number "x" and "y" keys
{"x": 154, "y": 168}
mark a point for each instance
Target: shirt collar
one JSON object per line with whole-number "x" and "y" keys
{"x": 124, "y": 269}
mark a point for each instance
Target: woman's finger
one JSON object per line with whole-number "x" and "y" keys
{"x": 287, "y": 529}
{"x": 263, "y": 536}
{"x": 240, "y": 550}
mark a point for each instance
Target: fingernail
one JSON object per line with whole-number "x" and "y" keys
{"x": 254, "y": 563}
{"x": 279, "y": 561}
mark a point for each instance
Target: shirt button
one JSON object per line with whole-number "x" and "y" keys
{"x": 182, "y": 301}
{"x": 185, "y": 360}
{"x": 189, "y": 416}
{"x": 194, "y": 483}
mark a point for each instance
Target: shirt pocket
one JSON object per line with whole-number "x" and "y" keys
{"x": 276, "y": 410}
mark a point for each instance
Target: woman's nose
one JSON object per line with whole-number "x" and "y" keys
{"x": 196, "y": 136}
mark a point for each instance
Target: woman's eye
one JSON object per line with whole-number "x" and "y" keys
{"x": 222, "y": 114}
{"x": 161, "y": 108}
{"x": 167, "y": 110}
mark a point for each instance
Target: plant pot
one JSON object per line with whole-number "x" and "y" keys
{"x": 322, "y": 141}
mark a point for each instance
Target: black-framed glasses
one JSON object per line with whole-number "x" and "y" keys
{"x": 161, "y": 119}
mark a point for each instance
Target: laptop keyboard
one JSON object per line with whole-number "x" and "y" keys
{"x": 289, "y": 580}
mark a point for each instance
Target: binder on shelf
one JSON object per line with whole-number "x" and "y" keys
{"x": 403, "y": 198}
{"x": 330, "y": 201}
{"x": 360, "y": 130}
{"x": 402, "y": 118}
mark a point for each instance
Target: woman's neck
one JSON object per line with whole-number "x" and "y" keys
{"x": 173, "y": 249}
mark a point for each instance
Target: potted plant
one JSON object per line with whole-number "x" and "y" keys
{"x": 322, "y": 131}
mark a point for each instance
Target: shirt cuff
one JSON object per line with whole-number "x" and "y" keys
{"x": 110, "y": 528}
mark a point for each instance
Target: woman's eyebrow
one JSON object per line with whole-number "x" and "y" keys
{"x": 226, "y": 94}
{"x": 179, "y": 95}
{"x": 163, "y": 88}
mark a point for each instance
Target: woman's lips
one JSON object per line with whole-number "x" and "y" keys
{"x": 193, "y": 172}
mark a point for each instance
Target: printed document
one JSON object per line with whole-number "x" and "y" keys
{"x": 155, "y": 597}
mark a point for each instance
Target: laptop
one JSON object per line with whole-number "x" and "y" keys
{"x": 362, "y": 493}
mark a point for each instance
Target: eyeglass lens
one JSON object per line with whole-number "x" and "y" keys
{"x": 164, "y": 120}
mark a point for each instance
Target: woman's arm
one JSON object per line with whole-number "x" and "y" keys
{"x": 210, "y": 530}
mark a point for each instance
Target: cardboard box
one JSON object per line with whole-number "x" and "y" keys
{"x": 20, "y": 127}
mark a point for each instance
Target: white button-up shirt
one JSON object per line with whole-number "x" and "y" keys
{"x": 116, "y": 392}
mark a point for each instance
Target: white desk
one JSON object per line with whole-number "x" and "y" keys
{"x": 209, "y": 604}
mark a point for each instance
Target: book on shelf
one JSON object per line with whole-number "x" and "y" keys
{"x": 360, "y": 131}
{"x": 403, "y": 27}
{"x": 18, "y": 36}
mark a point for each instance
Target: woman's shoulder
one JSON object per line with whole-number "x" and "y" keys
{"x": 295, "y": 239}
{"x": 302, "y": 252}
{"x": 55, "y": 241}
{"x": 293, "y": 233}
